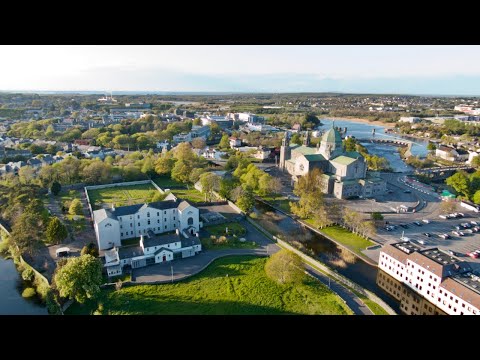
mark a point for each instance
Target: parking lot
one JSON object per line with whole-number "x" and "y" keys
{"x": 461, "y": 245}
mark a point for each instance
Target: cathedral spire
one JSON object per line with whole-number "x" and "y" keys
{"x": 333, "y": 124}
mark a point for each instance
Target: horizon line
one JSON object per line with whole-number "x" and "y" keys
{"x": 156, "y": 92}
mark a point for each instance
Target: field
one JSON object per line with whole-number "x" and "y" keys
{"x": 347, "y": 238}
{"x": 231, "y": 285}
{"x": 165, "y": 182}
{"x": 192, "y": 195}
{"x": 121, "y": 195}
{"x": 217, "y": 238}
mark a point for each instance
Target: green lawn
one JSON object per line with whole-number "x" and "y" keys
{"x": 122, "y": 195}
{"x": 76, "y": 225}
{"x": 280, "y": 202}
{"x": 347, "y": 238}
{"x": 232, "y": 285}
{"x": 235, "y": 231}
{"x": 376, "y": 309}
{"x": 166, "y": 182}
{"x": 192, "y": 195}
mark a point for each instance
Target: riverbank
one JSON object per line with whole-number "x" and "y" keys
{"x": 361, "y": 120}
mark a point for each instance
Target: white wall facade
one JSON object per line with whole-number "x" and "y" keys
{"x": 192, "y": 213}
{"x": 108, "y": 234}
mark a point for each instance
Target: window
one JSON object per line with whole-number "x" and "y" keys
{"x": 165, "y": 226}
{"x": 121, "y": 234}
{"x": 148, "y": 214}
{"x": 138, "y": 224}
{"x": 121, "y": 226}
{"x": 158, "y": 213}
{"x": 451, "y": 297}
{"x": 158, "y": 229}
{"x": 174, "y": 225}
{"x": 174, "y": 218}
{"x": 139, "y": 216}
{"x": 131, "y": 224}
{"x": 165, "y": 213}
{"x": 165, "y": 219}
{"x": 148, "y": 222}
{"x": 158, "y": 221}
{"x": 131, "y": 232}
{"x": 456, "y": 301}
{"x": 463, "y": 305}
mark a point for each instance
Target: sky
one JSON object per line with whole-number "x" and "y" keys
{"x": 419, "y": 69}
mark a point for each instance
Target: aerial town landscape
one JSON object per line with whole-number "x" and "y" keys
{"x": 241, "y": 202}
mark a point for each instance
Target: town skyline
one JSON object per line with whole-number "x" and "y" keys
{"x": 414, "y": 70}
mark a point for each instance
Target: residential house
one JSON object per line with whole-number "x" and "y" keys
{"x": 235, "y": 142}
{"x": 451, "y": 154}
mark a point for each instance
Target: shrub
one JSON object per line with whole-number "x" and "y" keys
{"x": 28, "y": 274}
{"x": 84, "y": 250}
{"x": 222, "y": 240}
{"x": 52, "y": 305}
{"x": 28, "y": 292}
{"x": 253, "y": 215}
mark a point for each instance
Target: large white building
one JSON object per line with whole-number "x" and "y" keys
{"x": 444, "y": 280}
{"x": 125, "y": 222}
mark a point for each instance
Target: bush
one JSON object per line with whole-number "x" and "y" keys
{"x": 52, "y": 305}
{"x": 28, "y": 292}
{"x": 253, "y": 215}
{"x": 222, "y": 240}
{"x": 28, "y": 274}
{"x": 84, "y": 250}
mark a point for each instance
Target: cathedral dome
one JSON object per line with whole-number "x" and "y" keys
{"x": 332, "y": 136}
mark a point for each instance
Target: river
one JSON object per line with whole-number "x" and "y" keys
{"x": 365, "y": 131}
{"x": 327, "y": 251}
{"x": 11, "y": 287}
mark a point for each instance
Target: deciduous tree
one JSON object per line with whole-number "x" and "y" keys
{"x": 285, "y": 267}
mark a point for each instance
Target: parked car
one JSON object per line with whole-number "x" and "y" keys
{"x": 426, "y": 221}
{"x": 473, "y": 222}
{"x": 404, "y": 238}
{"x": 421, "y": 242}
{"x": 418, "y": 223}
{"x": 443, "y": 217}
{"x": 451, "y": 252}
{"x": 468, "y": 231}
{"x": 476, "y": 228}
{"x": 444, "y": 236}
{"x": 455, "y": 232}
{"x": 404, "y": 226}
{"x": 473, "y": 254}
{"x": 427, "y": 234}
{"x": 407, "y": 191}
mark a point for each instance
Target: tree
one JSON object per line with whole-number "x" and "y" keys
{"x": 56, "y": 232}
{"x": 264, "y": 184}
{"x": 431, "y": 146}
{"x": 285, "y": 267}
{"x": 310, "y": 190}
{"x": 246, "y": 201}
{"x": 226, "y": 187}
{"x": 165, "y": 163}
{"x": 26, "y": 174}
{"x": 350, "y": 144}
{"x": 209, "y": 183}
{"x": 199, "y": 143}
{"x": 56, "y": 188}
{"x": 27, "y": 231}
{"x": 275, "y": 186}
{"x": 90, "y": 249}
{"x": 448, "y": 206}
{"x": 376, "y": 216}
{"x": 224, "y": 142}
{"x": 195, "y": 175}
{"x": 76, "y": 207}
{"x": 197, "y": 122}
{"x": 296, "y": 139}
{"x": 148, "y": 167}
{"x": 96, "y": 172}
{"x": 80, "y": 278}
{"x": 476, "y": 162}
{"x": 476, "y": 197}
{"x": 460, "y": 182}
{"x": 186, "y": 162}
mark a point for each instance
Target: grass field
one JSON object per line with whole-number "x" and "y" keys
{"x": 280, "y": 202}
{"x": 192, "y": 195}
{"x": 347, "y": 238}
{"x": 166, "y": 182}
{"x": 230, "y": 285}
{"x": 231, "y": 242}
{"x": 122, "y": 195}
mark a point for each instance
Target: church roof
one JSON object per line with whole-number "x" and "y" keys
{"x": 314, "y": 157}
{"x": 305, "y": 150}
{"x": 343, "y": 160}
{"x": 352, "y": 154}
{"x": 332, "y": 136}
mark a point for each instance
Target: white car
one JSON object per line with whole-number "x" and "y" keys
{"x": 426, "y": 221}
{"x": 404, "y": 238}
{"x": 421, "y": 242}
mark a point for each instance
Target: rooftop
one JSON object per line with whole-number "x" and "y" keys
{"x": 469, "y": 280}
{"x": 156, "y": 240}
{"x": 305, "y": 150}
{"x": 128, "y": 252}
{"x": 343, "y": 160}
{"x": 406, "y": 246}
